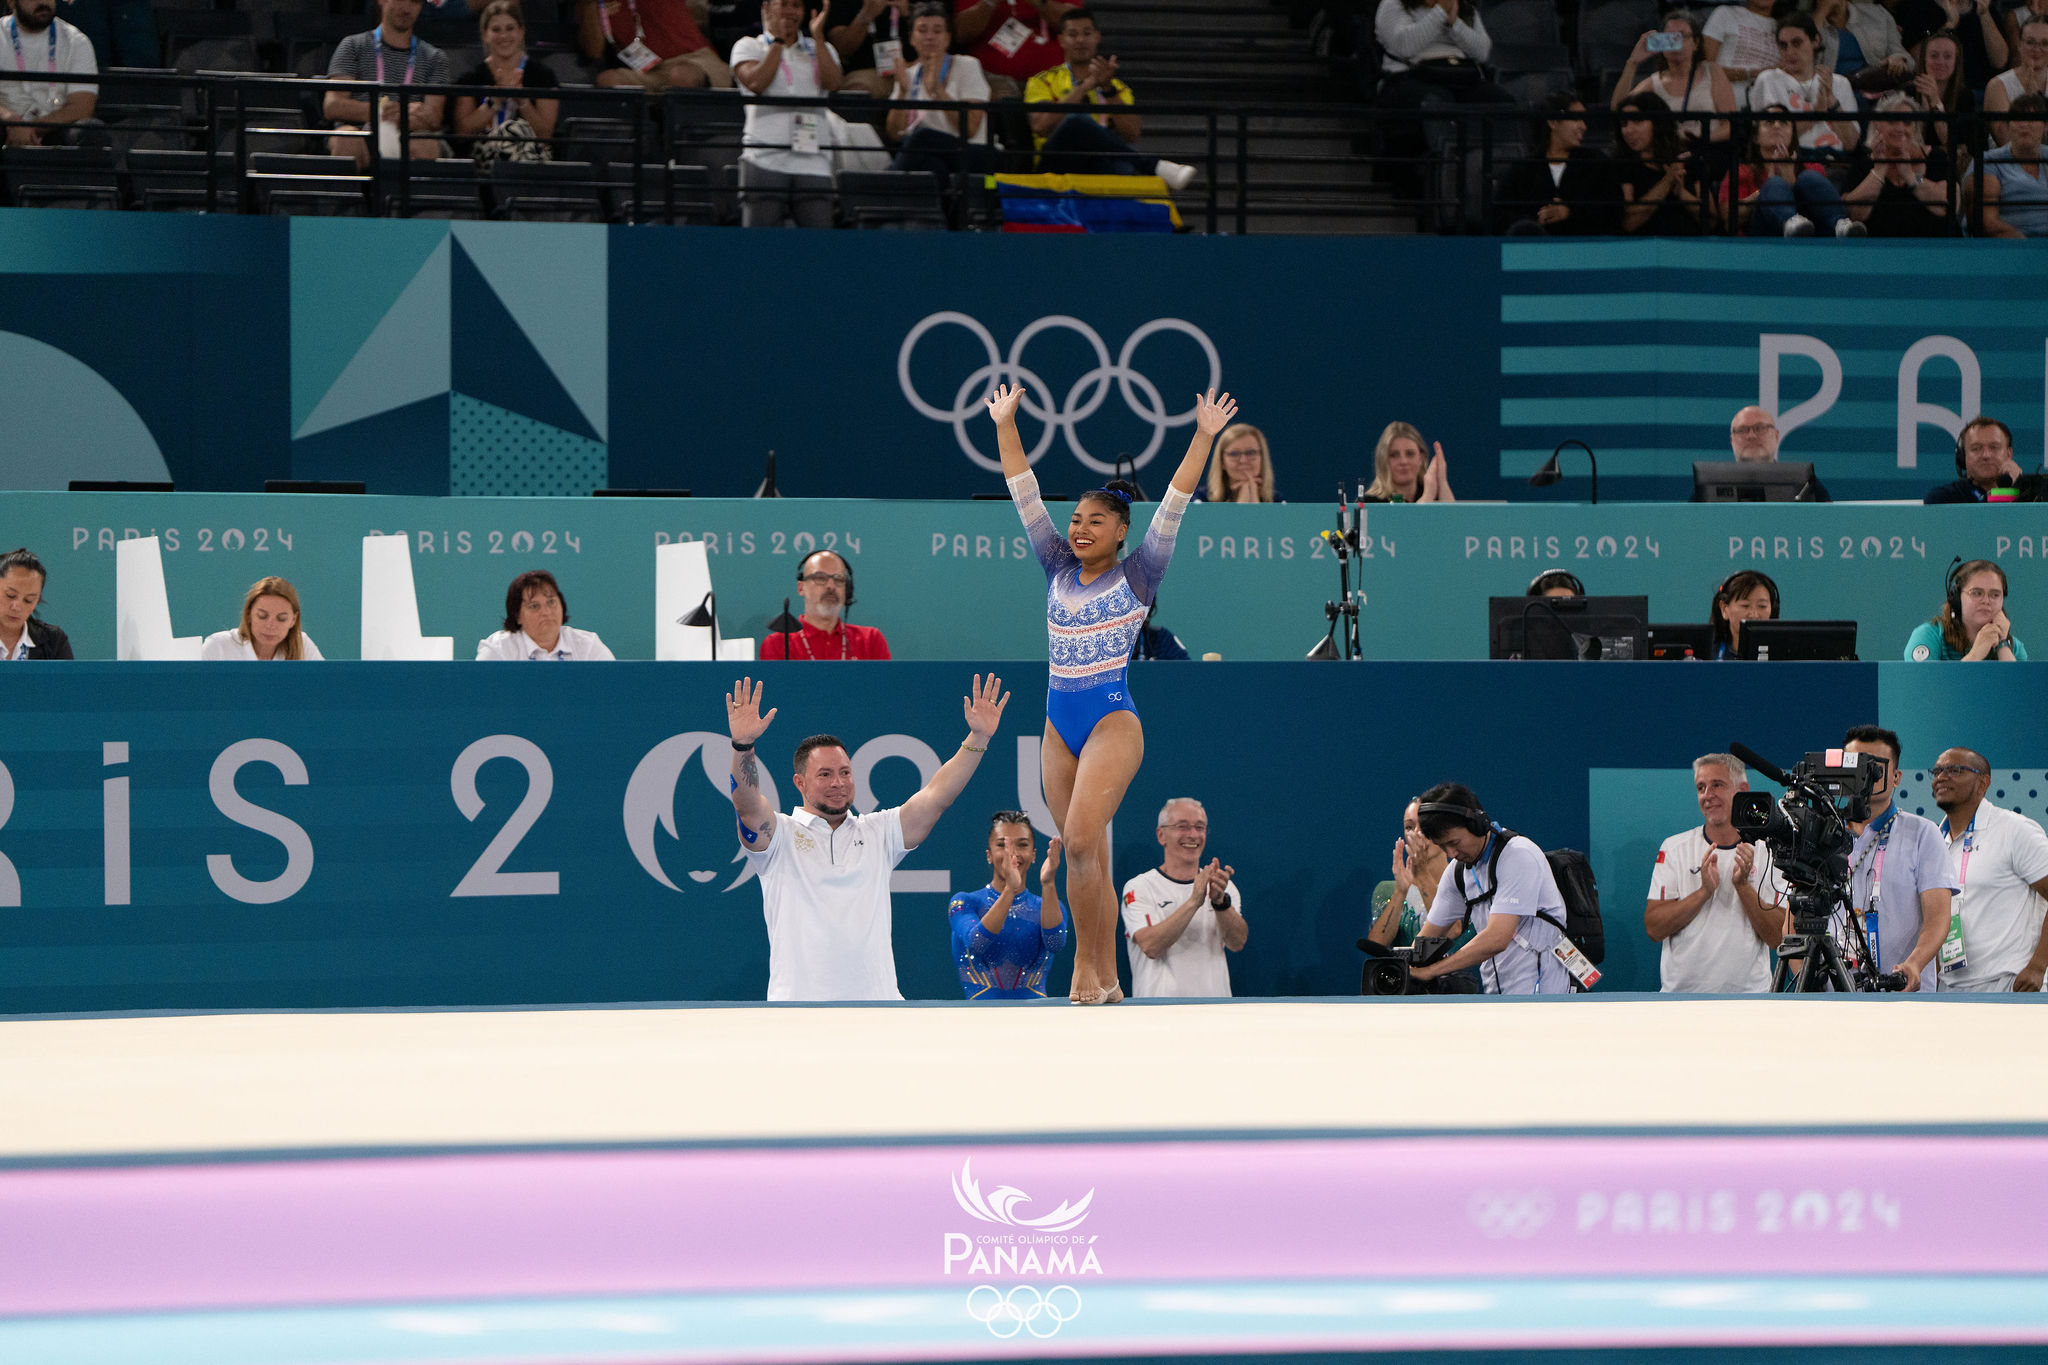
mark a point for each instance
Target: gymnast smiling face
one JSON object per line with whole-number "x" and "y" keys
{"x": 1097, "y": 529}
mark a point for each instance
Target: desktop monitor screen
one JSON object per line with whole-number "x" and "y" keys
{"x": 1567, "y": 627}
{"x": 1781, "y": 640}
{"x": 1748, "y": 481}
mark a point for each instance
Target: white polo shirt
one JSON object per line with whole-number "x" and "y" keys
{"x": 229, "y": 646}
{"x": 574, "y": 646}
{"x": 1197, "y": 965}
{"x": 1998, "y": 858}
{"x": 1719, "y": 952}
{"x": 825, "y": 896}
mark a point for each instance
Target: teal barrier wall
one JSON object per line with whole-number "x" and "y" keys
{"x": 354, "y": 901}
{"x": 517, "y": 358}
{"x": 955, "y": 580}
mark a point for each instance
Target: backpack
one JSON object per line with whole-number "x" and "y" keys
{"x": 1581, "y": 894}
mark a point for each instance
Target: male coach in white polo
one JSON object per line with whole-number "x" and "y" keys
{"x": 824, "y": 870}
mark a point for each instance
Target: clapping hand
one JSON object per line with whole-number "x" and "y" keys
{"x": 1002, "y": 404}
{"x": 818, "y": 26}
{"x": 1051, "y": 864}
{"x": 1101, "y": 74}
{"x": 1745, "y": 860}
{"x": 1404, "y": 871}
{"x": 1710, "y": 872}
{"x": 984, "y": 707}
{"x": 1219, "y": 876}
{"x": 1009, "y": 878}
{"x": 743, "y": 718}
{"x": 1212, "y": 414}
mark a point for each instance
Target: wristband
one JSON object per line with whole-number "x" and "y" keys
{"x": 972, "y": 749}
{"x": 739, "y": 748}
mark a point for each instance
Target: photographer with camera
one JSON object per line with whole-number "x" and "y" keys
{"x": 1900, "y": 878}
{"x": 1507, "y": 893}
{"x": 1995, "y": 942}
{"x": 1715, "y": 905}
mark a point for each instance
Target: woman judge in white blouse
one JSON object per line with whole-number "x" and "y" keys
{"x": 270, "y": 628}
{"x": 537, "y": 626}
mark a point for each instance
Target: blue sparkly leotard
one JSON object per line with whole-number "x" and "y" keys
{"x": 1011, "y": 964}
{"x": 1090, "y": 626}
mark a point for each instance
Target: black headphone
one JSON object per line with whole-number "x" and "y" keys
{"x": 1469, "y": 818}
{"x": 1952, "y": 586}
{"x": 836, "y": 555}
{"x": 1563, "y": 578}
{"x": 1979, "y": 421}
{"x": 1770, "y": 586}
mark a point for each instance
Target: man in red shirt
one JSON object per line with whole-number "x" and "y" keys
{"x": 825, "y": 583}
{"x": 654, "y": 44}
{"x": 1012, "y": 39}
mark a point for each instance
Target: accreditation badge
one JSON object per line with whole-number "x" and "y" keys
{"x": 803, "y": 132}
{"x": 639, "y": 56}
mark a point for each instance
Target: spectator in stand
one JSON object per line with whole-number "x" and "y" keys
{"x": 1012, "y": 39}
{"x": 390, "y": 53}
{"x": 2029, "y": 76}
{"x": 654, "y": 44}
{"x": 1984, "y": 51}
{"x": 1081, "y": 144}
{"x": 825, "y": 582}
{"x": 537, "y": 628}
{"x": 1430, "y": 55}
{"x": 2001, "y": 859}
{"x": 785, "y": 171}
{"x": 1715, "y": 904}
{"x": 1685, "y": 81}
{"x": 2015, "y": 180}
{"x": 1244, "y": 471}
{"x": 1841, "y": 51}
{"x": 23, "y": 634}
{"x": 1745, "y": 595}
{"x": 1656, "y": 199}
{"x": 871, "y": 38}
{"x": 1784, "y": 194}
{"x": 932, "y": 139}
{"x": 1801, "y": 86}
{"x": 1899, "y": 198}
{"x": 1877, "y": 33}
{"x": 1971, "y": 626}
{"x": 1939, "y": 89}
{"x": 1401, "y": 473}
{"x": 1984, "y": 459}
{"x": 1571, "y": 190}
{"x": 2016, "y": 16}
{"x": 270, "y": 629}
{"x": 1743, "y": 40}
{"x": 515, "y": 126}
{"x": 43, "y": 42}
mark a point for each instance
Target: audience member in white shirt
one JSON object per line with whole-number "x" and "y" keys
{"x": 270, "y": 629}
{"x": 537, "y": 626}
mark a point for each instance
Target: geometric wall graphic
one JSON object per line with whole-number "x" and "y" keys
{"x": 67, "y": 422}
{"x": 508, "y": 320}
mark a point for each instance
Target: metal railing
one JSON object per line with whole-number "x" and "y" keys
{"x": 630, "y": 156}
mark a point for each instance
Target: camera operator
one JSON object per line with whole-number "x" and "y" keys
{"x": 1515, "y": 909}
{"x": 1995, "y": 943}
{"x": 1899, "y": 867}
{"x": 1714, "y": 904}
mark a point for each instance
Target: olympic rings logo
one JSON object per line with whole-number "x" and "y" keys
{"x": 1024, "y": 1309}
{"x": 1083, "y": 400}
{"x": 1509, "y": 1215}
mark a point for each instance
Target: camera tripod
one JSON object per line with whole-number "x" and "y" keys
{"x": 1808, "y": 959}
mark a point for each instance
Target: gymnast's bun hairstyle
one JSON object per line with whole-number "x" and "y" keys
{"x": 1117, "y": 495}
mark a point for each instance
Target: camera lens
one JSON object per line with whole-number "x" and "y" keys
{"x": 1383, "y": 977}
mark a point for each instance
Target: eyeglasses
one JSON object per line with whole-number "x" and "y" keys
{"x": 1985, "y": 594}
{"x": 1186, "y": 827}
{"x": 1753, "y": 428}
{"x": 1957, "y": 770}
{"x": 841, "y": 579}
{"x": 1251, "y": 454}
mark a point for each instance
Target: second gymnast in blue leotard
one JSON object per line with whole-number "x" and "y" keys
{"x": 1005, "y": 938}
{"x": 1096, "y": 601}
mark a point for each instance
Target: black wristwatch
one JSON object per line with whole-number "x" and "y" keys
{"x": 1224, "y": 906}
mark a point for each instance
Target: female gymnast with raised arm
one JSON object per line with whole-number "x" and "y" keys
{"x": 1094, "y": 606}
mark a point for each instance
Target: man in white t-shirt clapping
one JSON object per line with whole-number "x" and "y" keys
{"x": 1715, "y": 905}
{"x": 824, "y": 870}
{"x": 1181, "y": 917}
{"x": 1994, "y": 941}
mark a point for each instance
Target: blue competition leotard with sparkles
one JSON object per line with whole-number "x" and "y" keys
{"x": 1091, "y": 626}
{"x": 1010, "y": 965}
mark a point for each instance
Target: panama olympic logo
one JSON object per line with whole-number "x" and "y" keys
{"x": 1024, "y": 1309}
{"x": 1083, "y": 399}
{"x": 1502, "y": 1214}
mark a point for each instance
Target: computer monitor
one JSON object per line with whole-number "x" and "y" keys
{"x": 1777, "y": 641}
{"x": 1749, "y": 481}
{"x": 1567, "y": 627}
{"x": 1675, "y": 640}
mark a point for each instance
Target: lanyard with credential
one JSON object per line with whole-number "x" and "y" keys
{"x": 14, "y": 36}
{"x": 412, "y": 54}
{"x": 944, "y": 68}
{"x": 1877, "y": 847}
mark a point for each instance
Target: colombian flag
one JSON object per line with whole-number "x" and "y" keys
{"x": 1085, "y": 203}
